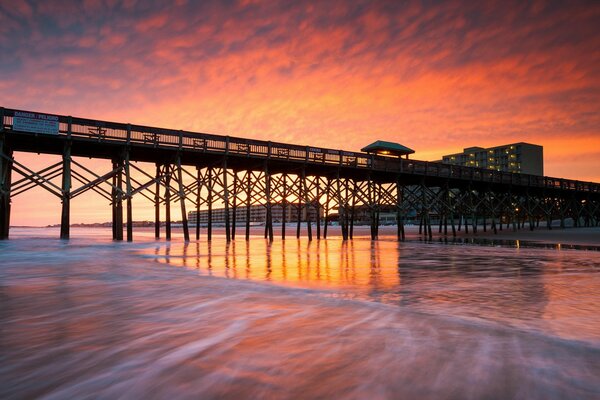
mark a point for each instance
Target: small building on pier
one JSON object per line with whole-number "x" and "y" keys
{"x": 388, "y": 149}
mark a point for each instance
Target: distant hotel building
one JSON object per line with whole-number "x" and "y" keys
{"x": 258, "y": 214}
{"x": 521, "y": 157}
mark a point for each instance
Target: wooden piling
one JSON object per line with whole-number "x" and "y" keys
{"x": 327, "y": 200}
{"x": 226, "y": 202}
{"x": 198, "y": 198}
{"x": 347, "y": 207}
{"x": 184, "y": 219}
{"x": 113, "y": 196}
{"x": 284, "y": 206}
{"x": 66, "y": 192}
{"x": 318, "y": 206}
{"x": 373, "y": 221}
{"x": 399, "y": 215}
{"x": 157, "y": 203}
{"x": 5, "y": 182}
{"x": 341, "y": 208}
{"x": 168, "y": 172}
{"x": 248, "y": 202}
{"x": 129, "y": 195}
{"x": 234, "y": 205}
{"x": 306, "y": 204}
{"x": 119, "y": 202}
{"x": 352, "y": 212}
{"x": 377, "y": 210}
{"x": 269, "y": 222}
{"x": 299, "y": 208}
{"x": 210, "y": 204}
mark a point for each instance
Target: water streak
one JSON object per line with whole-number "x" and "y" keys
{"x": 93, "y": 318}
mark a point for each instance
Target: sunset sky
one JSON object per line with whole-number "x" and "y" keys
{"x": 434, "y": 76}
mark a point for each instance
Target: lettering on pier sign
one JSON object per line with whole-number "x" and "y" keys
{"x": 35, "y": 123}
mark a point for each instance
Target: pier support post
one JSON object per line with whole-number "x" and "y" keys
{"x": 5, "y": 183}
{"x": 352, "y": 210}
{"x": 157, "y": 203}
{"x": 66, "y": 192}
{"x": 211, "y": 186}
{"x": 184, "y": 219}
{"x": 347, "y": 195}
{"x": 371, "y": 196}
{"x": 167, "y": 169}
{"x": 327, "y": 200}
{"x": 284, "y": 207}
{"x": 248, "y": 201}
{"x": 423, "y": 219}
{"x": 318, "y": 206}
{"x": 116, "y": 196}
{"x": 118, "y": 229}
{"x": 234, "y": 205}
{"x": 226, "y": 202}
{"x": 269, "y": 216}
{"x": 399, "y": 216}
{"x": 113, "y": 200}
{"x": 299, "y": 208}
{"x": 198, "y": 189}
{"x": 452, "y": 209}
{"x": 341, "y": 207}
{"x": 129, "y": 195}
{"x": 378, "y": 210}
{"x": 306, "y": 204}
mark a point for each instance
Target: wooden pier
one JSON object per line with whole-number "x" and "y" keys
{"x": 204, "y": 170}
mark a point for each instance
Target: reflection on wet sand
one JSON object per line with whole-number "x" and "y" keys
{"x": 320, "y": 263}
{"x": 156, "y": 320}
{"x": 519, "y": 287}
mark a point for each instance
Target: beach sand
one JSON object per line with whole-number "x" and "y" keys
{"x": 567, "y": 236}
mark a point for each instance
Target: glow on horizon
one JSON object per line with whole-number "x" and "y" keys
{"x": 338, "y": 74}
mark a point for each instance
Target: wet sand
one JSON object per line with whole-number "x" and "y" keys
{"x": 571, "y": 236}
{"x": 567, "y": 236}
{"x": 93, "y": 318}
{"x": 585, "y": 237}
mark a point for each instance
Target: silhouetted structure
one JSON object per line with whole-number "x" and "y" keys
{"x": 389, "y": 149}
{"x": 235, "y": 172}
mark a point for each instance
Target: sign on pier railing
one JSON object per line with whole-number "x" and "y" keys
{"x": 35, "y": 123}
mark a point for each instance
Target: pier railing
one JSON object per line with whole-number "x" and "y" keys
{"x": 139, "y": 135}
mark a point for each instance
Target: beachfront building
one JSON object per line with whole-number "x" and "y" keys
{"x": 258, "y": 214}
{"x": 520, "y": 157}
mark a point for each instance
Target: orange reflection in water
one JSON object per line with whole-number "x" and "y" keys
{"x": 531, "y": 288}
{"x": 310, "y": 263}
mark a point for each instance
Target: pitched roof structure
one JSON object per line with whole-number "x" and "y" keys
{"x": 387, "y": 148}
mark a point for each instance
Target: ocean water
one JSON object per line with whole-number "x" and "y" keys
{"x": 92, "y": 318}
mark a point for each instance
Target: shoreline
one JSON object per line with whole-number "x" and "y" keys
{"x": 587, "y": 236}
